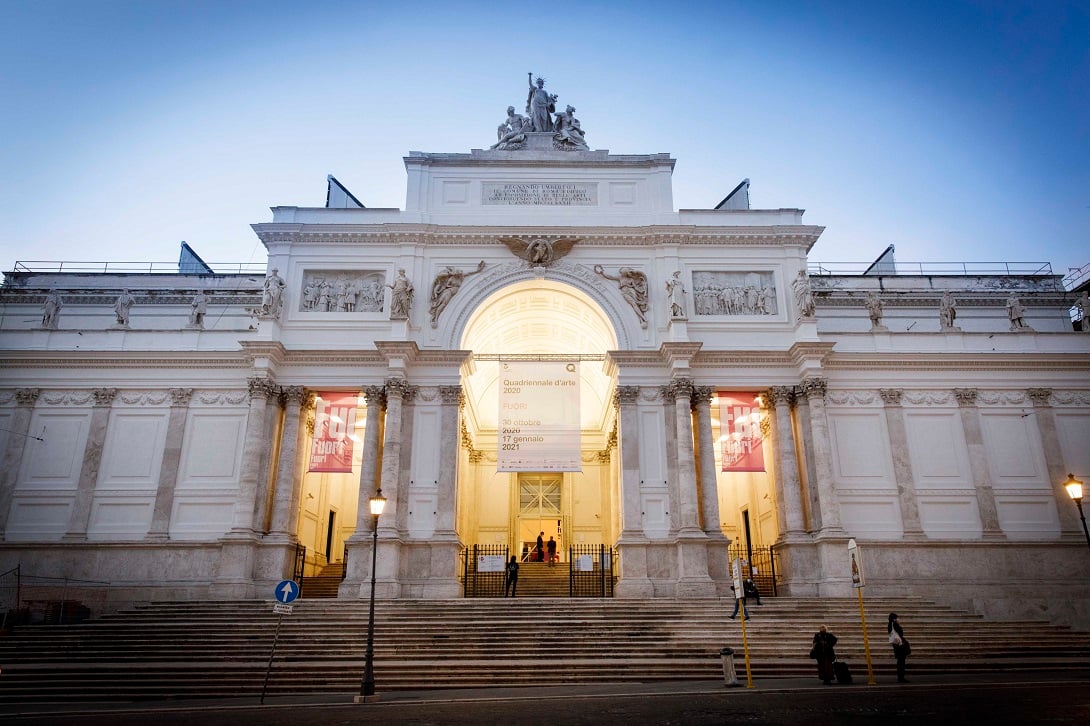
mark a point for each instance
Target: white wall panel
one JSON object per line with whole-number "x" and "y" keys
{"x": 656, "y": 514}
{"x": 114, "y": 515}
{"x": 876, "y": 517}
{"x": 212, "y": 450}
{"x": 950, "y": 517}
{"x": 860, "y": 448}
{"x": 1027, "y": 516}
{"x": 133, "y": 451}
{"x": 425, "y": 454}
{"x": 1013, "y": 450}
{"x": 936, "y": 445}
{"x": 55, "y": 463}
{"x": 1073, "y": 428}
{"x": 422, "y": 514}
{"x": 652, "y": 443}
{"x": 38, "y": 517}
{"x": 201, "y": 519}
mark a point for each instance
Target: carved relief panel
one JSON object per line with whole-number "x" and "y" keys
{"x": 340, "y": 291}
{"x": 734, "y": 293}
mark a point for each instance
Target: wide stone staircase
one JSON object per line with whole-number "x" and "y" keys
{"x": 222, "y": 648}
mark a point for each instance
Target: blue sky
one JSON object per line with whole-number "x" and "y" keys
{"x": 959, "y": 130}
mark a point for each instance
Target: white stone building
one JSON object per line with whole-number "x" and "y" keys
{"x": 163, "y": 447}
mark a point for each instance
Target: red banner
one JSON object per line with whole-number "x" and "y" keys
{"x": 740, "y": 431}
{"x": 334, "y": 427}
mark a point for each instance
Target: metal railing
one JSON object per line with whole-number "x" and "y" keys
{"x": 139, "y": 268}
{"x": 1076, "y": 276}
{"x": 36, "y": 599}
{"x": 483, "y": 570}
{"x": 299, "y": 565}
{"x": 591, "y": 571}
{"x": 1007, "y": 269}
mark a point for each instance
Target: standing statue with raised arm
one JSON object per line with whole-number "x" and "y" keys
{"x": 540, "y": 104}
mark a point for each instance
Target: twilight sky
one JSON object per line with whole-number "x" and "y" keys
{"x": 957, "y": 130}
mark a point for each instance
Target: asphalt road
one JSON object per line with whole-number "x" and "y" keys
{"x": 1046, "y": 700}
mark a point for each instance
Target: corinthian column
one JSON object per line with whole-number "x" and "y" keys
{"x": 709, "y": 482}
{"x": 359, "y": 544}
{"x": 295, "y": 397}
{"x": 92, "y": 460}
{"x": 18, "y": 442}
{"x": 632, "y": 544}
{"x": 978, "y": 463}
{"x": 1054, "y": 458}
{"x": 168, "y": 472}
{"x": 396, "y": 390}
{"x": 902, "y": 465}
{"x": 814, "y": 390}
{"x": 688, "y": 501}
{"x": 788, "y": 483}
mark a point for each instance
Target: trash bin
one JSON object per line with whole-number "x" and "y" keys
{"x": 730, "y": 678}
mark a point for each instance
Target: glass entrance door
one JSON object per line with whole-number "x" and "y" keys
{"x": 539, "y": 513}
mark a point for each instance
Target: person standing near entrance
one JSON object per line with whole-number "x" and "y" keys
{"x": 552, "y": 552}
{"x": 540, "y": 546}
{"x": 824, "y": 653}
{"x": 511, "y": 576}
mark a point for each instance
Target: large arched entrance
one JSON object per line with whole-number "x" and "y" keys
{"x": 533, "y": 322}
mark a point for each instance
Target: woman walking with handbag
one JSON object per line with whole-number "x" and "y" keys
{"x": 901, "y": 648}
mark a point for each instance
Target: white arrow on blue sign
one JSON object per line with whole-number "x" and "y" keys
{"x": 286, "y": 591}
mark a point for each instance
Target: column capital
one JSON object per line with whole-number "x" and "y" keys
{"x": 104, "y": 396}
{"x": 374, "y": 395}
{"x": 891, "y": 396}
{"x": 27, "y": 397}
{"x": 259, "y": 387}
{"x": 965, "y": 396}
{"x": 681, "y": 388}
{"x": 1039, "y": 396}
{"x": 625, "y": 395}
{"x": 814, "y": 387}
{"x": 408, "y": 395}
{"x": 180, "y": 396}
{"x": 295, "y": 394}
{"x": 396, "y": 388}
{"x": 702, "y": 396}
{"x": 780, "y": 394}
{"x": 667, "y": 393}
{"x": 451, "y": 395}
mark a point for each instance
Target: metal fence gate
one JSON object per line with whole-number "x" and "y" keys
{"x": 591, "y": 571}
{"x": 762, "y": 566}
{"x": 483, "y": 570}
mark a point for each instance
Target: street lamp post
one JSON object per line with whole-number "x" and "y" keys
{"x": 1074, "y": 490}
{"x": 367, "y": 685}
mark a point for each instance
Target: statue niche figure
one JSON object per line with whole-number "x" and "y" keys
{"x": 401, "y": 296}
{"x": 122, "y": 306}
{"x": 51, "y": 310}
{"x": 804, "y": 296}
{"x": 675, "y": 291}
{"x": 948, "y": 311}
{"x": 633, "y": 286}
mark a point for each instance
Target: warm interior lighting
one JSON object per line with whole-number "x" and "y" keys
{"x": 1073, "y": 487}
{"x": 378, "y": 503}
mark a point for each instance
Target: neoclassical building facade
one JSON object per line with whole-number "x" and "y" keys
{"x": 160, "y": 431}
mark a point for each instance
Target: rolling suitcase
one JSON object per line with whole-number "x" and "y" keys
{"x": 842, "y": 671}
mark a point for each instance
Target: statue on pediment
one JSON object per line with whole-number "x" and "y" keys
{"x": 540, "y": 104}
{"x": 511, "y": 134}
{"x": 569, "y": 134}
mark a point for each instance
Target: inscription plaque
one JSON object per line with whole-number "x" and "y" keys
{"x": 552, "y": 194}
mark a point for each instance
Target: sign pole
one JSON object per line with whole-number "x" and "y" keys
{"x": 268, "y": 668}
{"x": 855, "y": 561}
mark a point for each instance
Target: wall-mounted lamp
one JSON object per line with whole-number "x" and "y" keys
{"x": 1074, "y": 490}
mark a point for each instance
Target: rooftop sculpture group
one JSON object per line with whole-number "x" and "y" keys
{"x": 540, "y": 109}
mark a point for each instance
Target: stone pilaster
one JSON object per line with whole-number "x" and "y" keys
{"x": 274, "y": 405}
{"x": 902, "y": 464}
{"x": 295, "y": 398}
{"x": 168, "y": 471}
{"x": 707, "y": 476}
{"x": 18, "y": 443}
{"x": 389, "y": 552}
{"x": 632, "y": 544}
{"x": 978, "y": 463}
{"x": 449, "y": 434}
{"x": 692, "y": 552}
{"x": 92, "y": 461}
{"x": 788, "y": 482}
{"x": 1054, "y": 458}
{"x": 828, "y": 500}
{"x": 255, "y": 448}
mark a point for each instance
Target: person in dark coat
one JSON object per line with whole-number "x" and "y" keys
{"x": 511, "y": 577}
{"x": 901, "y": 648}
{"x": 824, "y": 653}
{"x": 551, "y": 545}
{"x": 749, "y": 587}
{"x": 540, "y": 554}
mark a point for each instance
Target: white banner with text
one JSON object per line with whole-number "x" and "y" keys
{"x": 539, "y": 416}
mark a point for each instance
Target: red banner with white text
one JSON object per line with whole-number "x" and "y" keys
{"x": 334, "y": 429}
{"x": 740, "y": 431}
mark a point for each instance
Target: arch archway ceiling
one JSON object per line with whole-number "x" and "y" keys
{"x": 537, "y": 317}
